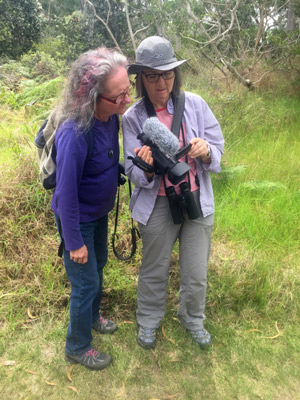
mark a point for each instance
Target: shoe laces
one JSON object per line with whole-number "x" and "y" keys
{"x": 147, "y": 331}
{"x": 199, "y": 333}
{"x": 92, "y": 352}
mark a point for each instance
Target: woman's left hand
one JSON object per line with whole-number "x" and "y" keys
{"x": 79, "y": 256}
{"x": 199, "y": 149}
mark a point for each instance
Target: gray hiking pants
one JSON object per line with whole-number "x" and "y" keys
{"x": 158, "y": 237}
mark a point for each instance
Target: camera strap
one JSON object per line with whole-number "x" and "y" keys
{"x": 178, "y": 113}
{"x": 178, "y": 103}
{"x": 134, "y": 231}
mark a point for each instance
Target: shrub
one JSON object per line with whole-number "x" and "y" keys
{"x": 42, "y": 65}
{"x": 71, "y": 37}
{"x": 41, "y": 95}
{"x": 19, "y": 26}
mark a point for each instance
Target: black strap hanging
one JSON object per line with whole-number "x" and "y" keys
{"x": 61, "y": 246}
{"x": 178, "y": 103}
{"x": 134, "y": 231}
{"x": 178, "y": 113}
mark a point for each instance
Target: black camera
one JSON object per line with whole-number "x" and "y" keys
{"x": 163, "y": 163}
{"x": 182, "y": 202}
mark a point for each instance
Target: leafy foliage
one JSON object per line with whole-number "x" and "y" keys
{"x": 19, "y": 26}
{"x": 67, "y": 37}
{"x": 66, "y": 7}
{"x": 42, "y": 66}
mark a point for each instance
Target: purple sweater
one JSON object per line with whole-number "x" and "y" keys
{"x": 85, "y": 191}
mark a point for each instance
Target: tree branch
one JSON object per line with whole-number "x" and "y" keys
{"x": 212, "y": 43}
{"x": 105, "y": 24}
{"x": 129, "y": 26}
{"x": 140, "y": 30}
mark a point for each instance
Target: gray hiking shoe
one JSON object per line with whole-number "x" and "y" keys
{"x": 103, "y": 326}
{"x": 146, "y": 337}
{"x": 202, "y": 337}
{"x": 92, "y": 359}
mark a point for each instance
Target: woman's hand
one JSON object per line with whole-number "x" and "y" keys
{"x": 200, "y": 149}
{"x": 145, "y": 154}
{"x": 79, "y": 256}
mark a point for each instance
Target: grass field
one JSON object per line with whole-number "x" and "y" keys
{"x": 253, "y": 291}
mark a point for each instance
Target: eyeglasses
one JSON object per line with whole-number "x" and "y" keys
{"x": 120, "y": 97}
{"x": 151, "y": 78}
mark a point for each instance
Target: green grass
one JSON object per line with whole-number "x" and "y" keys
{"x": 253, "y": 279}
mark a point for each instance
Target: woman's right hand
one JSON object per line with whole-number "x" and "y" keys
{"x": 79, "y": 256}
{"x": 145, "y": 154}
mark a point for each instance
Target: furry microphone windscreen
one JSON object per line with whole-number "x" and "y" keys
{"x": 160, "y": 135}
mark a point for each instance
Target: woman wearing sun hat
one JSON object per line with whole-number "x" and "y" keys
{"x": 158, "y": 82}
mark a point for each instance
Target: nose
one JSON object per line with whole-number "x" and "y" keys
{"x": 160, "y": 80}
{"x": 127, "y": 98}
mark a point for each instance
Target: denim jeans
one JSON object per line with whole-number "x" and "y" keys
{"x": 86, "y": 285}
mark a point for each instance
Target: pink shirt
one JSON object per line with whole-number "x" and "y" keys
{"x": 166, "y": 118}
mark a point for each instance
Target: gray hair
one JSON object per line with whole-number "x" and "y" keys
{"x": 86, "y": 82}
{"x": 140, "y": 90}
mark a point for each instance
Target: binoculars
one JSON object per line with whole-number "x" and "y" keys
{"x": 182, "y": 202}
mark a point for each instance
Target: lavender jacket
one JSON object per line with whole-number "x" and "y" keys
{"x": 200, "y": 122}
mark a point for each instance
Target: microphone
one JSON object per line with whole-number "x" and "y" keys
{"x": 164, "y": 139}
{"x": 164, "y": 146}
{"x": 160, "y": 135}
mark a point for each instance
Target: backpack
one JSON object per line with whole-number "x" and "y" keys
{"x": 46, "y": 150}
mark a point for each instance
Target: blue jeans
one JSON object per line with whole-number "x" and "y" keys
{"x": 86, "y": 285}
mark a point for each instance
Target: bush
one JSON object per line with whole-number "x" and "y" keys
{"x": 42, "y": 96}
{"x": 42, "y": 65}
{"x": 19, "y": 26}
{"x": 65, "y": 38}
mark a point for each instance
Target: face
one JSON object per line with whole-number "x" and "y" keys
{"x": 158, "y": 92}
{"x": 116, "y": 85}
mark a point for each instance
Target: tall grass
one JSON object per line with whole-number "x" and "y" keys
{"x": 253, "y": 281}
{"x": 258, "y": 200}
{"x": 257, "y": 195}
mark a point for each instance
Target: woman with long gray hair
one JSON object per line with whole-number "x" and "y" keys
{"x": 86, "y": 142}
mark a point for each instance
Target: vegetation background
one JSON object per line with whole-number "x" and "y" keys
{"x": 244, "y": 61}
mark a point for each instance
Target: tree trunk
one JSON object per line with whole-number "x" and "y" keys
{"x": 129, "y": 26}
{"x": 291, "y": 18}
{"x": 106, "y": 26}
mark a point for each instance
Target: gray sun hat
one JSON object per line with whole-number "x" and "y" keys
{"x": 154, "y": 52}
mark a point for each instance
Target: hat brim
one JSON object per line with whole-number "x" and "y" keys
{"x": 136, "y": 67}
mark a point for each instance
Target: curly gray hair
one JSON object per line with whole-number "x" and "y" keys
{"x": 86, "y": 82}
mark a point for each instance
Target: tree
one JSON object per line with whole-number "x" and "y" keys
{"x": 60, "y": 7}
{"x": 105, "y": 22}
{"x": 19, "y": 26}
{"x": 249, "y": 39}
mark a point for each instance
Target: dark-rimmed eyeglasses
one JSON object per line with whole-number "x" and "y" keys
{"x": 151, "y": 78}
{"x": 120, "y": 97}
